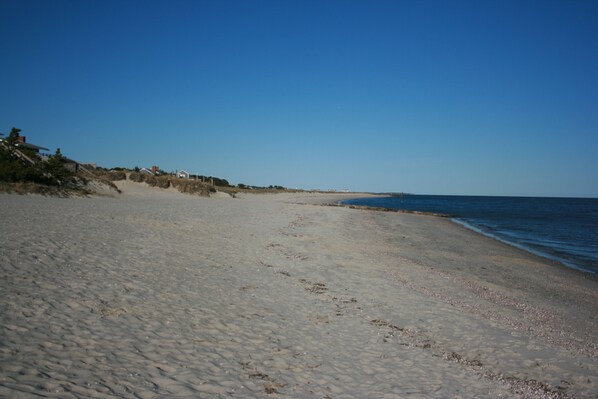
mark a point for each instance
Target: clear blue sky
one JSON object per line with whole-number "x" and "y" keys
{"x": 448, "y": 97}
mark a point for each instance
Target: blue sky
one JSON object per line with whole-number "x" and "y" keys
{"x": 447, "y": 97}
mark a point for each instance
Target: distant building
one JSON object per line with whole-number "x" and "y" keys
{"x": 182, "y": 174}
{"x": 22, "y": 143}
{"x": 146, "y": 171}
{"x": 155, "y": 170}
{"x": 70, "y": 164}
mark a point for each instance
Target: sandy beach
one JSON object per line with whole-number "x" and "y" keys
{"x": 159, "y": 294}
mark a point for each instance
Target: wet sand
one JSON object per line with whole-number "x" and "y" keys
{"x": 159, "y": 294}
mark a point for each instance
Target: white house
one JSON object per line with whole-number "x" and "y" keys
{"x": 182, "y": 174}
{"x": 146, "y": 171}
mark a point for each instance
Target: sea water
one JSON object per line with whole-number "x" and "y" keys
{"x": 562, "y": 229}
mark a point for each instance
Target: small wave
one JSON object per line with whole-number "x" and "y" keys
{"x": 560, "y": 229}
{"x": 521, "y": 246}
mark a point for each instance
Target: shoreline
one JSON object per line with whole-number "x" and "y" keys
{"x": 163, "y": 294}
{"x": 538, "y": 255}
{"x": 543, "y": 255}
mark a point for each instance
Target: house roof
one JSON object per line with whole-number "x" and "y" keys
{"x": 31, "y": 146}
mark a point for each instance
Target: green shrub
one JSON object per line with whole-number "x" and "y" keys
{"x": 55, "y": 166}
{"x": 14, "y": 169}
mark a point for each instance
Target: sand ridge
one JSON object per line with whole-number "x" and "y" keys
{"x": 167, "y": 295}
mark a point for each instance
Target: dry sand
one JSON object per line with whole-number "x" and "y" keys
{"x": 159, "y": 294}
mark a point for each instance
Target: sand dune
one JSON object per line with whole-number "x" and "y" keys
{"x": 160, "y": 294}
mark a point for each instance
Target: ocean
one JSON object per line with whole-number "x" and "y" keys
{"x": 561, "y": 229}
